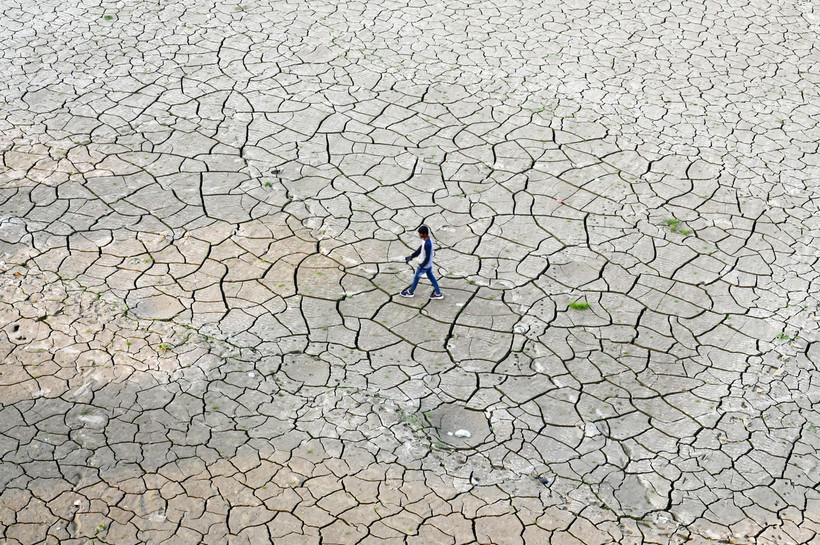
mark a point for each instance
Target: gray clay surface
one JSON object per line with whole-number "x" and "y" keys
{"x": 203, "y": 210}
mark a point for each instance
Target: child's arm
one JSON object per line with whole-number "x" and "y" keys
{"x": 414, "y": 254}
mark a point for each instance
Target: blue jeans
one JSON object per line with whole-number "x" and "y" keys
{"x": 429, "y": 272}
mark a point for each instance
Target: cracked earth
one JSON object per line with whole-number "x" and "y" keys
{"x": 203, "y": 212}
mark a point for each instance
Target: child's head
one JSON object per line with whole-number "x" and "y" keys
{"x": 424, "y": 232}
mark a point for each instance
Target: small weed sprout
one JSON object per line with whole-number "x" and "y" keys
{"x": 675, "y": 227}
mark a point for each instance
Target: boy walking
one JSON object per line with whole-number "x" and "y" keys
{"x": 426, "y": 266}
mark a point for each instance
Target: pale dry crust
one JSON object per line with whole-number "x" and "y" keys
{"x": 203, "y": 209}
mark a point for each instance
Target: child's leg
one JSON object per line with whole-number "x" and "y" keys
{"x": 419, "y": 272}
{"x": 432, "y": 278}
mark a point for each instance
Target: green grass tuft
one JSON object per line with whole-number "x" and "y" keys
{"x": 673, "y": 224}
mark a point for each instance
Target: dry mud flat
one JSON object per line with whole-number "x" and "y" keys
{"x": 201, "y": 210}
